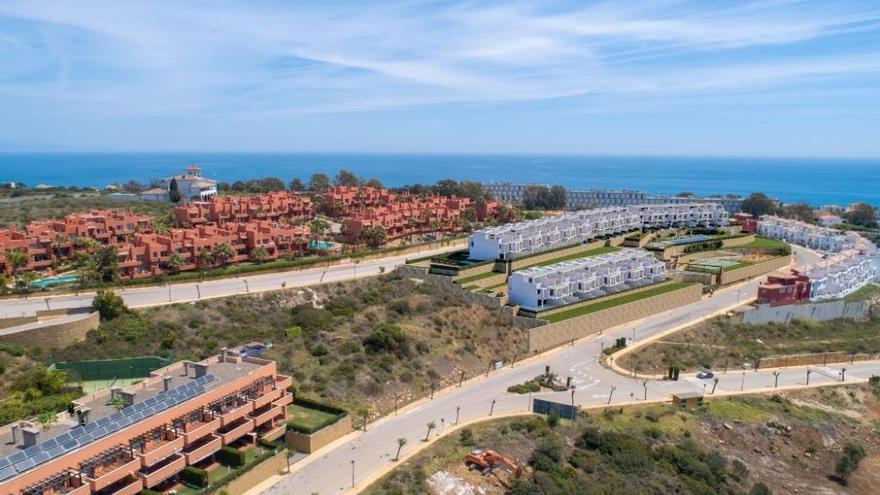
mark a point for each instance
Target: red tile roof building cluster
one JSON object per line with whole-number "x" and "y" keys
{"x": 143, "y": 253}
{"x": 784, "y": 287}
{"x": 401, "y": 215}
{"x": 274, "y": 206}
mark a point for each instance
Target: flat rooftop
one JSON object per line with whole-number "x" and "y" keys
{"x": 150, "y": 398}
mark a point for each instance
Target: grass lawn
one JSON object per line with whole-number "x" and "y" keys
{"x": 867, "y": 292}
{"x": 307, "y": 417}
{"x": 474, "y": 278}
{"x": 614, "y": 300}
{"x": 575, "y": 256}
{"x": 763, "y": 244}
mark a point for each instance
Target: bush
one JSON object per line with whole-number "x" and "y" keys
{"x": 760, "y": 489}
{"x": 230, "y": 457}
{"x": 849, "y": 460}
{"x": 524, "y": 388}
{"x": 466, "y": 437}
{"x": 387, "y": 337}
{"x": 311, "y": 319}
{"x": 194, "y": 476}
{"x": 109, "y": 305}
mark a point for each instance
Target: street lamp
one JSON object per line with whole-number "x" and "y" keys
{"x": 742, "y": 384}
{"x": 611, "y": 394}
{"x": 246, "y": 288}
{"x": 352, "y": 473}
{"x": 808, "y": 375}
{"x": 776, "y": 379}
{"x": 843, "y": 374}
{"x": 715, "y": 383}
{"x": 492, "y": 407}
{"x": 645, "y": 385}
{"x": 572, "y": 397}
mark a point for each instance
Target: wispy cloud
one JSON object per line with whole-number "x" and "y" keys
{"x": 128, "y": 58}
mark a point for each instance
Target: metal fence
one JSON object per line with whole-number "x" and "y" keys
{"x": 109, "y": 369}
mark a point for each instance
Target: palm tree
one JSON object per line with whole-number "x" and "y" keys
{"x": 4, "y": 284}
{"x": 364, "y": 413}
{"x": 431, "y": 425}
{"x": 222, "y": 252}
{"x": 259, "y": 254}
{"x": 46, "y": 419}
{"x": 400, "y": 443}
{"x": 28, "y": 278}
{"x": 175, "y": 261}
{"x": 204, "y": 259}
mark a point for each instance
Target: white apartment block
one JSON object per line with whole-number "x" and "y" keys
{"x": 586, "y": 278}
{"x": 576, "y": 199}
{"x": 853, "y": 261}
{"x": 804, "y": 234}
{"x": 515, "y": 240}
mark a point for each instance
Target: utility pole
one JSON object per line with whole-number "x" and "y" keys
{"x": 572, "y": 397}
{"x": 611, "y": 394}
{"x": 352, "y": 473}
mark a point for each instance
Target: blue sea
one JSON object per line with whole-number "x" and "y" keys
{"x": 815, "y": 181}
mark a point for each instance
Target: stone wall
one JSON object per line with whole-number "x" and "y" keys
{"x": 259, "y": 473}
{"x": 822, "y": 311}
{"x": 756, "y": 270}
{"x": 820, "y": 358}
{"x": 674, "y": 251}
{"x": 54, "y": 335}
{"x": 518, "y": 264}
{"x": 302, "y": 442}
{"x": 16, "y": 321}
{"x": 555, "y": 334}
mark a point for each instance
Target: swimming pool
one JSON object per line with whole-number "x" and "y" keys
{"x": 45, "y": 282}
{"x": 320, "y": 245}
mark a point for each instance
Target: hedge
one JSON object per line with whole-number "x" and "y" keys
{"x": 231, "y": 456}
{"x": 235, "y": 473}
{"x": 194, "y": 476}
{"x": 338, "y": 413}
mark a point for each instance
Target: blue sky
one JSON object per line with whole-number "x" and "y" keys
{"x": 761, "y": 78}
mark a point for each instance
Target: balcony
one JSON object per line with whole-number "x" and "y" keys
{"x": 163, "y": 470}
{"x": 197, "y": 451}
{"x": 157, "y": 451}
{"x": 83, "y": 489}
{"x": 266, "y": 398}
{"x": 107, "y": 475}
{"x": 198, "y": 430}
{"x": 267, "y": 415}
{"x": 132, "y": 486}
{"x": 282, "y": 381}
{"x": 235, "y": 431}
{"x": 285, "y": 400}
{"x": 237, "y": 413}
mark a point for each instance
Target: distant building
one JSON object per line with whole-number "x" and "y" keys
{"x": 784, "y": 288}
{"x": 747, "y": 221}
{"x": 576, "y": 199}
{"x": 154, "y": 194}
{"x": 827, "y": 220}
{"x": 191, "y": 184}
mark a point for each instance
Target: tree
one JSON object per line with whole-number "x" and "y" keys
{"x": 760, "y": 489}
{"x": 387, "y": 337}
{"x": 400, "y": 443}
{"x": 346, "y": 178}
{"x": 759, "y": 204}
{"x": 222, "y": 252}
{"x": 296, "y": 185}
{"x": 46, "y": 419}
{"x": 374, "y": 183}
{"x": 259, "y": 254}
{"x": 557, "y": 197}
{"x": 4, "y": 284}
{"x": 106, "y": 263}
{"x": 431, "y": 425}
{"x": 109, "y": 305}
{"x": 861, "y": 214}
{"x": 685, "y": 194}
{"x": 364, "y": 414}
{"x": 175, "y": 261}
{"x": 849, "y": 460}
{"x": 133, "y": 186}
{"x": 16, "y": 258}
{"x": 269, "y": 184}
{"x": 373, "y": 236}
{"x": 319, "y": 183}
{"x": 174, "y": 191}
{"x": 799, "y": 211}
{"x": 204, "y": 259}
{"x": 27, "y": 279}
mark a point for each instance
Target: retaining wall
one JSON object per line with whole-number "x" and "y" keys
{"x": 308, "y": 443}
{"x": 262, "y": 471}
{"x": 820, "y": 358}
{"x": 552, "y": 335}
{"x": 518, "y": 264}
{"x": 53, "y": 335}
{"x": 755, "y": 270}
{"x": 808, "y": 311}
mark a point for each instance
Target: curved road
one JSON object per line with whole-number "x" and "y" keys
{"x": 362, "y": 455}
{"x": 154, "y": 295}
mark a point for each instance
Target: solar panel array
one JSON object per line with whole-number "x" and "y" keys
{"x": 82, "y": 435}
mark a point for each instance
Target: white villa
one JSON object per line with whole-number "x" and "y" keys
{"x": 191, "y": 184}
{"x": 852, "y": 260}
{"x": 567, "y": 282}
{"x": 515, "y": 240}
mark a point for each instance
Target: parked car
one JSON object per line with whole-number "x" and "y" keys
{"x": 705, "y": 375}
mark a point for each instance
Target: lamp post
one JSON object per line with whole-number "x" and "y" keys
{"x": 715, "y": 383}
{"x": 843, "y": 374}
{"x": 198, "y": 292}
{"x": 742, "y": 384}
{"x": 776, "y": 379}
{"x": 645, "y": 385}
{"x": 457, "y": 410}
{"x": 808, "y": 375}
{"x": 492, "y": 407}
{"x": 352, "y": 473}
{"x": 572, "y": 397}
{"x": 611, "y": 394}
{"x": 246, "y": 288}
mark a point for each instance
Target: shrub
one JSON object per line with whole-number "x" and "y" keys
{"x": 524, "y": 388}
{"x": 387, "y": 337}
{"x": 311, "y": 319}
{"x": 760, "y": 489}
{"x": 194, "y": 476}
{"x": 230, "y": 456}
{"x": 849, "y": 460}
{"x": 466, "y": 437}
{"x": 109, "y": 305}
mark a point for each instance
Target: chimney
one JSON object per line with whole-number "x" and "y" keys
{"x": 15, "y": 427}
{"x": 223, "y": 354}
{"x": 82, "y": 414}
{"x": 30, "y": 435}
{"x": 166, "y": 382}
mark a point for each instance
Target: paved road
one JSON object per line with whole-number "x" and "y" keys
{"x": 184, "y": 292}
{"x": 373, "y": 450}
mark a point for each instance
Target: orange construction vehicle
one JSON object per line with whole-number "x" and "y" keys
{"x": 487, "y": 461}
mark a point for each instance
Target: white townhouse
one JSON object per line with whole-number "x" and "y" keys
{"x": 852, "y": 260}
{"x": 586, "y": 278}
{"x": 515, "y": 240}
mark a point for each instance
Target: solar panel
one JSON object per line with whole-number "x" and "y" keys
{"x": 152, "y": 400}
{"x": 56, "y": 451}
{"x": 63, "y": 437}
{"x": 116, "y": 416}
{"x": 84, "y": 439}
{"x": 79, "y": 430}
{"x": 41, "y": 458}
{"x": 25, "y": 464}
{"x": 31, "y": 451}
{"x": 48, "y": 444}
{"x": 91, "y": 426}
{"x": 128, "y": 410}
{"x": 70, "y": 445}
{"x": 6, "y": 473}
{"x": 140, "y": 406}
{"x": 103, "y": 421}
{"x": 17, "y": 457}
{"x": 4, "y": 461}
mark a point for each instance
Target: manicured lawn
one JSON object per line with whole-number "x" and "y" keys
{"x": 867, "y": 292}
{"x": 308, "y": 418}
{"x": 575, "y": 256}
{"x": 474, "y": 278}
{"x": 764, "y": 244}
{"x": 614, "y": 300}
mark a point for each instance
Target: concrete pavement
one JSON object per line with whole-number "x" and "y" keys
{"x": 154, "y": 295}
